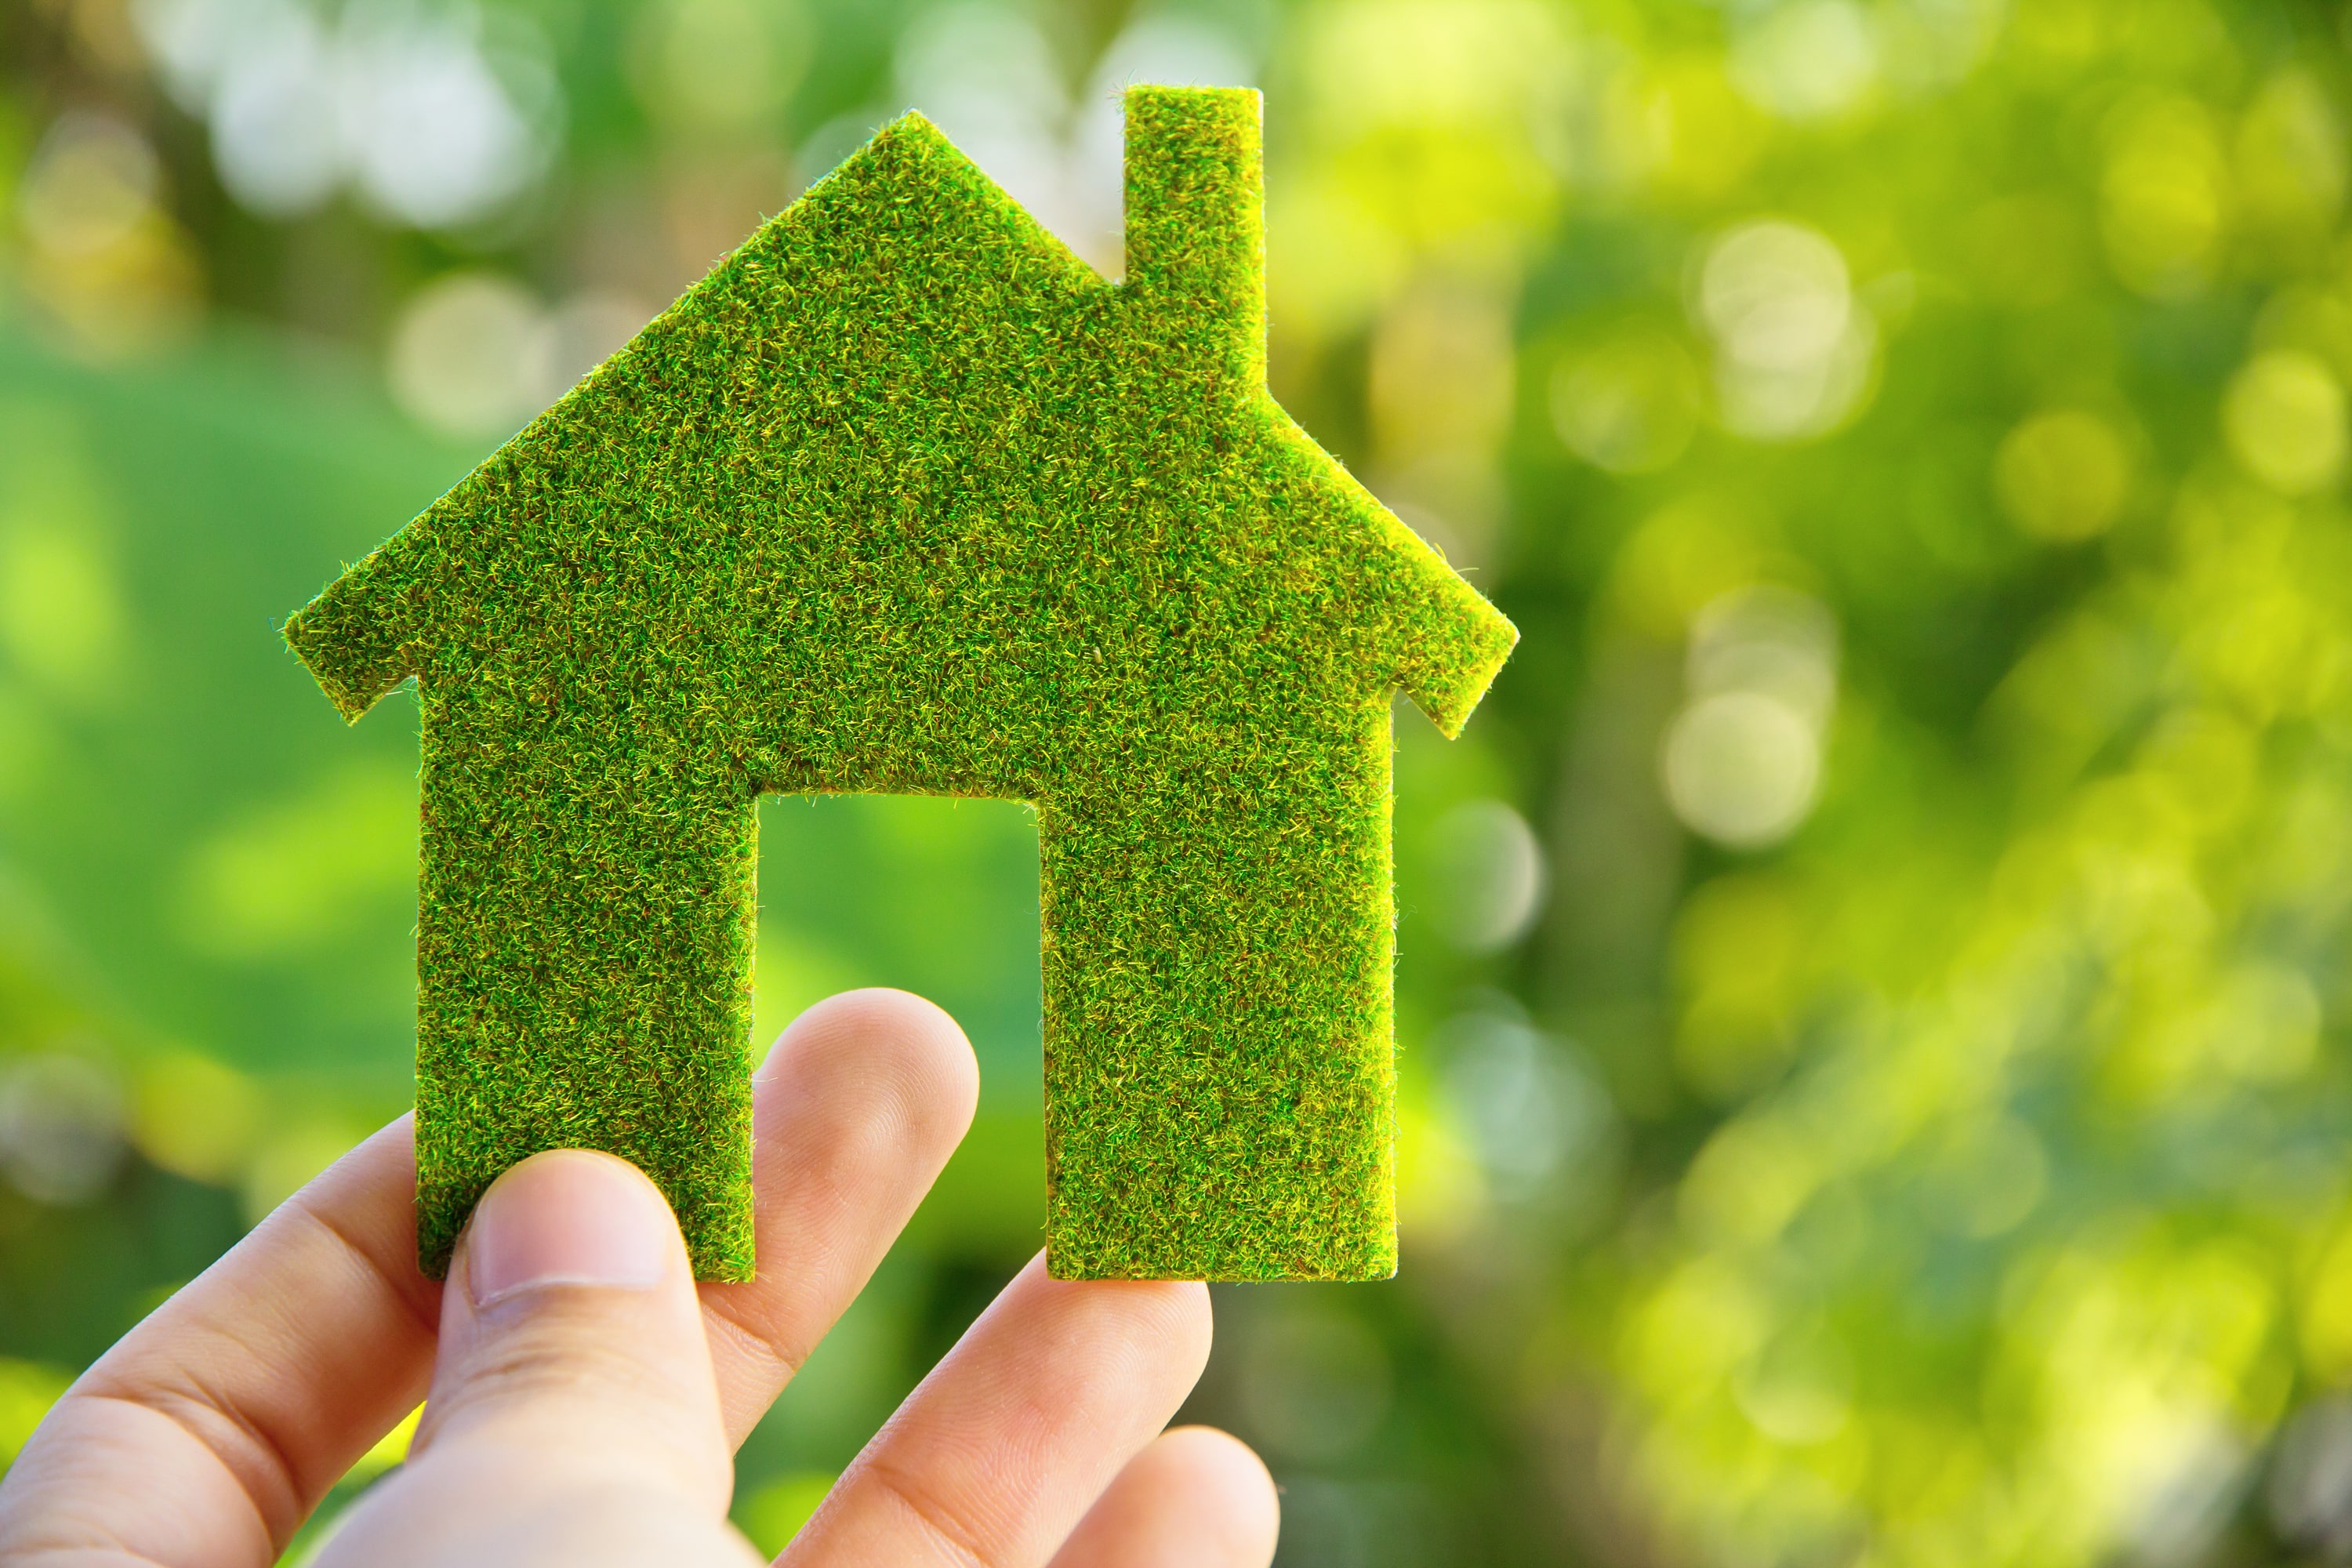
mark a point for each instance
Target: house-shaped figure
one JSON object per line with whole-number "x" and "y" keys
{"x": 903, "y": 497}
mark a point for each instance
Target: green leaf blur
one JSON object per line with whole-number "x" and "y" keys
{"x": 1876, "y": 1078}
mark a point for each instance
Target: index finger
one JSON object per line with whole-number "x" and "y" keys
{"x": 219, "y": 1422}
{"x": 855, "y": 1112}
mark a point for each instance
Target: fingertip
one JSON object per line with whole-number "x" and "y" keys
{"x": 1168, "y": 1320}
{"x": 907, "y": 1040}
{"x": 1182, "y": 1306}
{"x": 1192, "y": 1329}
{"x": 1194, "y": 1496}
{"x": 1243, "y": 1507}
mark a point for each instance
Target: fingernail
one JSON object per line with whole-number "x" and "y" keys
{"x": 569, "y": 1217}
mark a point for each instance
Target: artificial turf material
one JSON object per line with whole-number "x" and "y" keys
{"x": 903, "y": 497}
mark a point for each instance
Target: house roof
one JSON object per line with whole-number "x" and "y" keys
{"x": 903, "y": 432}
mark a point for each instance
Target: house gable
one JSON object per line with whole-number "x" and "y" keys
{"x": 851, "y": 358}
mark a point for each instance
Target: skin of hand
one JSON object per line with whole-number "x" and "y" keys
{"x": 586, "y": 1396}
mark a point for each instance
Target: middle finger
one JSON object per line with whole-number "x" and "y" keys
{"x": 855, "y": 1112}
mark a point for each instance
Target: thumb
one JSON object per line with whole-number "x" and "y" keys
{"x": 573, "y": 1415}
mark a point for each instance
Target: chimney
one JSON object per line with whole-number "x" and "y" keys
{"x": 1196, "y": 221}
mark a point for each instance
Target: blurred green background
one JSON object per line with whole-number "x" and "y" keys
{"x": 1876, "y": 1046}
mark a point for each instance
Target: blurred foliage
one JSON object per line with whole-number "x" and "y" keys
{"x": 1876, "y": 1057}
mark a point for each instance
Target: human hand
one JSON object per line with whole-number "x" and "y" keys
{"x": 586, "y": 1396}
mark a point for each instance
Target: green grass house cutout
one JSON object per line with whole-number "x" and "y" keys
{"x": 904, "y": 497}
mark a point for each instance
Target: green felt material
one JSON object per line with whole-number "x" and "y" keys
{"x": 904, "y": 497}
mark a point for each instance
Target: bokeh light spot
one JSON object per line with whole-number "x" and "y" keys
{"x": 462, "y": 357}
{"x": 1628, "y": 405}
{"x": 2292, "y": 167}
{"x": 195, "y": 1117}
{"x": 1794, "y": 351}
{"x": 1741, "y": 763}
{"x": 2283, "y": 416}
{"x": 1490, "y": 875}
{"x": 719, "y": 67}
{"x": 2164, "y": 196}
{"x": 92, "y": 181}
{"x": 2063, "y": 476}
{"x": 1807, "y": 61}
{"x": 1535, "y": 1118}
{"x": 60, "y": 1126}
{"x": 101, "y": 255}
{"x": 1741, "y": 768}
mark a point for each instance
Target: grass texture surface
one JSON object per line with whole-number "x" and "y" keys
{"x": 903, "y": 497}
